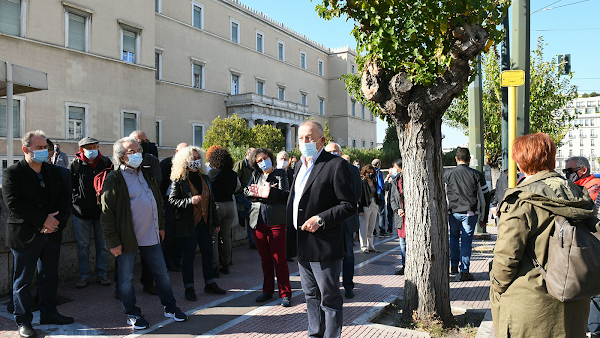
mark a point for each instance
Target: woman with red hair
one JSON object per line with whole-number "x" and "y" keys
{"x": 521, "y": 305}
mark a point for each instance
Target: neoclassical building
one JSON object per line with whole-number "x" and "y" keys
{"x": 170, "y": 70}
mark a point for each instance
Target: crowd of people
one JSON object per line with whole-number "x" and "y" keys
{"x": 311, "y": 209}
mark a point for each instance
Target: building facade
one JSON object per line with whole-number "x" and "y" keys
{"x": 170, "y": 70}
{"x": 581, "y": 139}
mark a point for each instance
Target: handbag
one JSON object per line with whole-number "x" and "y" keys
{"x": 573, "y": 268}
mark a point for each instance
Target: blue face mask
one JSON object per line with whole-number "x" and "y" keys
{"x": 309, "y": 150}
{"x": 334, "y": 153}
{"x": 394, "y": 172}
{"x": 135, "y": 160}
{"x": 265, "y": 165}
{"x": 40, "y": 156}
{"x": 91, "y": 154}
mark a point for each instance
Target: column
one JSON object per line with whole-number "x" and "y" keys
{"x": 288, "y": 137}
{"x": 250, "y": 123}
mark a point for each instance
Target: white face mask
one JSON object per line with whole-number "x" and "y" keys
{"x": 195, "y": 165}
{"x": 282, "y": 164}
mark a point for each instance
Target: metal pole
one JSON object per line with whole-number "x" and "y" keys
{"x": 476, "y": 120}
{"x": 9, "y": 115}
{"x": 512, "y": 135}
{"x": 505, "y": 65}
{"x": 520, "y": 56}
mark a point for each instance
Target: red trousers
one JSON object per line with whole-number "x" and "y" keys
{"x": 270, "y": 242}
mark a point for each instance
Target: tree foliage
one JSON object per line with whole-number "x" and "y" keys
{"x": 550, "y": 92}
{"x": 231, "y": 130}
{"x": 267, "y": 136}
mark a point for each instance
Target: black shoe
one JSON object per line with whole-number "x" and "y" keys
{"x": 264, "y": 297}
{"x": 26, "y": 331}
{"x": 286, "y": 302}
{"x": 190, "y": 294}
{"x": 252, "y": 246}
{"x": 349, "y": 294}
{"x": 214, "y": 288}
{"x": 216, "y": 273}
{"x": 454, "y": 269}
{"x": 224, "y": 269}
{"x": 466, "y": 277}
{"x": 175, "y": 268}
{"x": 151, "y": 289}
{"x": 57, "y": 319}
{"x": 399, "y": 272}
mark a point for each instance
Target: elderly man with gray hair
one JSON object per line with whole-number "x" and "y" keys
{"x": 132, "y": 220}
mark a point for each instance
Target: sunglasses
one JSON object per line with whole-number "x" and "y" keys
{"x": 569, "y": 171}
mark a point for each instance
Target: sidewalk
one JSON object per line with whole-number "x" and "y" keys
{"x": 236, "y": 314}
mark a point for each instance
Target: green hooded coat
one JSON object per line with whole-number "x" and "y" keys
{"x": 521, "y": 305}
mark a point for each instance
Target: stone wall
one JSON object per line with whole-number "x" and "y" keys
{"x": 69, "y": 267}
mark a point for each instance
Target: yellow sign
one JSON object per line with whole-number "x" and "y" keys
{"x": 512, "y": 78}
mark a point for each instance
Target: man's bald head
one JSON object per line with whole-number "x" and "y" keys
{"x": 314, "y": 125}
{"x": 333, "y": 147}
{"x": 180, "y": 146}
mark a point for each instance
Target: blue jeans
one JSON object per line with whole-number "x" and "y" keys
{"x": 156, "y": 263}
{"x": 348, "y": 263}
{"x": 25, "y": 264}
{"x": 203, "y": 239}
{"x": 463, "y": 226}
{"x": 594, "y": 318}
{"x": 83, "y": 233}
{"x": 324, "y": 302}
{"x": 402, "y": 242}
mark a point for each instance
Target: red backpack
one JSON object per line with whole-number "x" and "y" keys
{"x": 99, "y": 181}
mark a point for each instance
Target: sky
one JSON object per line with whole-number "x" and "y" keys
{"x": 567, "y": 26}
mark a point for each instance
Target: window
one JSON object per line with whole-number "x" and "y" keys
{"x": 581, "y": 133}
{"x": 363, "y": 144}
{"x": 592, "y": 132}
{"x": 372, "y": 144}
{"x": 260, "y": 43}
{"x": 130, "y": 122}
{"x": 371, "y": 113}
{"x": 591, "y": 122}
{"x": 16, "y": 118}
{"x": 581, "y": 143}
{"x": 570, "y": 152}
{"x": 592, "y": 153}
{"x": 592, "y": 142}
{"x": 197, "y": 75}
{"x": 158, "y": 64}
{"x": 579, "y": 104}
{"x": 362, "y": 113}
{"x": 158, "y": 126}
{"x": 198, "y": 134}
{"x": 591, "y": 110}
{"x": 320, "y": 67}
{"x": 281, "y": 93}
{"x": 157, "y": 6}
{"x": 570, "y": 143}
{"x": 302, "y": 60}
{"x": 590, "y": 103}
{"x": 76, "y": 28}
{"x": 570, "y": 133}
{"x": 559, "y": 153}
{"x": 197, "y": 15}
{"x": 235, "y": 31}
{"x": 353, "y": 108}
{"x": 580, "y": 152}
{"x": 129, "y": 44}
{"x": 352, "y": 69}
{"x": 235, "y": 84}
{"x": 76, "y": 122}
{"x": 321, "y": 106}
{"x": 10, "y": 17}
{"x": 260, "y": 87}
{"x": 304, "y": 99}
{"x": 281, "y": 50}
{"x": 353, "y": 143}
{"x": 587, "y": 122}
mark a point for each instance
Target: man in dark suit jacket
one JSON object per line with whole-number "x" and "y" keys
{"x": 320, "y": 200}
{"x": 351, "y": 225}
{"x": 37, "y": 200}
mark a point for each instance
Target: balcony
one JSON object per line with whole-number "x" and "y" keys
{"x": 252, "y": 106}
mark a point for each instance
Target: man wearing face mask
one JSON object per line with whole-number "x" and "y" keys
{"x": 320, "y": 200}
{"x": 87, "y": 164}
{"x": 59, "y": 158}
{"x": 150, "y": 161}
{"x": 37, "y": 200}
{"x": 351, "y": 225}
{"x": 132, "y": 220}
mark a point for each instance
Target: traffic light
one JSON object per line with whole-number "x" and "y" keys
{"x": 564, "y": 64}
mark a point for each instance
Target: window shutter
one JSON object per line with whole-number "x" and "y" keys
{"x": 129, "y": 123}
{"x": 16, "y": 118}
{"x": 234, "y": 32}
{"x": 77, "y": 113}
{"x": 10, "y": 17}
{"x": 197, "y": 17}
{"x": 128, "y": 41}
{"x": 76, "y": 32}
{"x": 198, "y": 136}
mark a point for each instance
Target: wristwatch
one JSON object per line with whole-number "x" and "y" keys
{"x": 320, "y": 222}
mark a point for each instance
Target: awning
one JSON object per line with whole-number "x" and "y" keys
{"x": 24, "y": 80}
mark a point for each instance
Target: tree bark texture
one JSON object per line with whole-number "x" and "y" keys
{"x": 417, "y": 113}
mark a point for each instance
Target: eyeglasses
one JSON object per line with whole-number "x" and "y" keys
{"x": 569, "y": 171}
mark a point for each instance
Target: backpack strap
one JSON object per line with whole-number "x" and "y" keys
{"x": 537, "y": 264}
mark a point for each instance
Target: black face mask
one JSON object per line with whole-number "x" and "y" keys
{"x": 370, "y": 176}
{"x": 145, "y": 146}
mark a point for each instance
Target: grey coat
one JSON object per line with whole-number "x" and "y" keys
{"x": 275, "y": 207}
{"x": 397, "y": 201}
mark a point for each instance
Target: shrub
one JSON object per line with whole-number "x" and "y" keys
{"x": 267, "y": 136}
{"x": 232, "y": 130}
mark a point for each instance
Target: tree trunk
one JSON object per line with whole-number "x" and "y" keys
{"x": 426, "y": 288}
